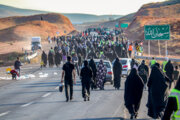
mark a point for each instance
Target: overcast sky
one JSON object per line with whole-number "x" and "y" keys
{"x": 98, "y": 7}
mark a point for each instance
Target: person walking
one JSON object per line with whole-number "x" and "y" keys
{"x": 143, "y": 71}
{"x": 117, "y": 70}
{"x": 86, "y": 76}
{"x": 75, "y": 62}
{"x": 175, "y": 75}
{"x": 57, "y": 58}
{"x": 51, "y": 59}
{"x": 133, "y": 93}
{"x": 158, "y": 91}
{"x": 132, "y": 63}
{"x": 68, "y": 76}
{"x": 79, "y": 60}
{"x": 17, "y": 66}
{"x": 130, "y": 49}
{"x": 44, "y": 58}
{"x": 169, "y": 71}
{"x": 164, "y": 65}
{"x": 172, "y": 108}
{"x": 101, "y": 75}
{"x": 152, "y": 62}
{"x": 92, "y": 65}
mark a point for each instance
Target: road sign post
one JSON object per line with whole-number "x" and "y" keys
{"x": 149, "y": 49}
{"x": 157, "y": 32}
{"x": 159, "y": 48}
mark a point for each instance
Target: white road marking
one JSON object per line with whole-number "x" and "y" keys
{"x": 57, "y": 88}
{"x": 26, "y": 68}
{"x": 5, "y": 113}
{"x": 47, "y": 94}
{"x": 55, "y": 73}
{"x": 6, "y": 78}
{"x": 25, "y": 105}
{"x": 43, "y": 75}
{"x": 117, "y": 110}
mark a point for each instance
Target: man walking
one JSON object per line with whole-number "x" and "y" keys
{"x": 130, "y": 49}
{"x": 68, "y": 74}
{"x": 86, "y": 76}
{"x": 17, "y": 65}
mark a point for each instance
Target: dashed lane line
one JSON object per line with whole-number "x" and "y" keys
{"x": 47, "y": 94}
{"x": 117, "y": 110}
{"x": 25, "y": 105}
{"x": 5, "y": 113}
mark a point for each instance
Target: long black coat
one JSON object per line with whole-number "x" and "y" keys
{"x": 92, "y": 65}
{"x": 158, "y": 85}
{"x": 57, "y": 58}
{"x": 86, "y": 75}
{"x": 51, "y": 59}
{"x": 117, "y": 70}
{"x": 44, "y": 58}
{"x": 169, "y": 70}
{"x": 133, "y": 89}
{"x": 143, "y": 71}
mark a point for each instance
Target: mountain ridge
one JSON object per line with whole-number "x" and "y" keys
{"x": 76, "y": 18}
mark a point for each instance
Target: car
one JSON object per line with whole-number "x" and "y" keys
{"x": 109, "y": 75}
{"x": 126, "y": 66}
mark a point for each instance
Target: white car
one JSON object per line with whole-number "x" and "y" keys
{"x": 109, "y": 75}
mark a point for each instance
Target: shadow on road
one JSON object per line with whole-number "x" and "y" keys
{"x": 109, "y": 118}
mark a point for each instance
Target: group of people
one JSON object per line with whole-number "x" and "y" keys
{"x": 158, "y": 79}
{"x": 92, "y": 77}
{"x": 158, "y": 83}
{"x": 86, "y": 46}
{"x": 53, "y": 57}
{"x": 159, "y": 86}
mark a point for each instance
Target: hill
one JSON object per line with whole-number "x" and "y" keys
{"x": 110, "y": 23}
{"x": 167, "y": 12}
{"x": 125, "y": 19}
{"x": 20, "y": 29}
{"x": 76, "y": 18}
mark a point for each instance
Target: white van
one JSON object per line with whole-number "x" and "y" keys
{"x": 36, "y": 43}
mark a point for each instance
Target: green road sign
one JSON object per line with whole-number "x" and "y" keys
{"x": 117, "y": 25}
{"x": 124, "y": 25}
{"x": 157, "y": 32}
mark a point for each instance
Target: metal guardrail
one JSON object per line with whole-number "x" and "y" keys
{"x": 158, "y": 58}
{"x": 32, "y": 56}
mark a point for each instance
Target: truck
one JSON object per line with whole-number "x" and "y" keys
{"x": 36, "y": 43}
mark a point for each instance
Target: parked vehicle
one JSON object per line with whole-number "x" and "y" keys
{"x": 126, "y": 65}
{"x": 36, "y": 43}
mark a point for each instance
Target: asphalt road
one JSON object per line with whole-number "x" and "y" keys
{"x": 37, "y": 98}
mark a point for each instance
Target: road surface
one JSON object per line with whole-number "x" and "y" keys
{"x": 37, "y": 98}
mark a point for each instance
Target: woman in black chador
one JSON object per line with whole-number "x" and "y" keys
{"x": 133, "y": 93}
{"x": 158, "y": 88}
{"x": 117, "y": 70}
{"x": 92, "y": 65}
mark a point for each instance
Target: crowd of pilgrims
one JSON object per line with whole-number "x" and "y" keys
{"x": 85, "y": 47}
{"x": 106, "y": 47}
